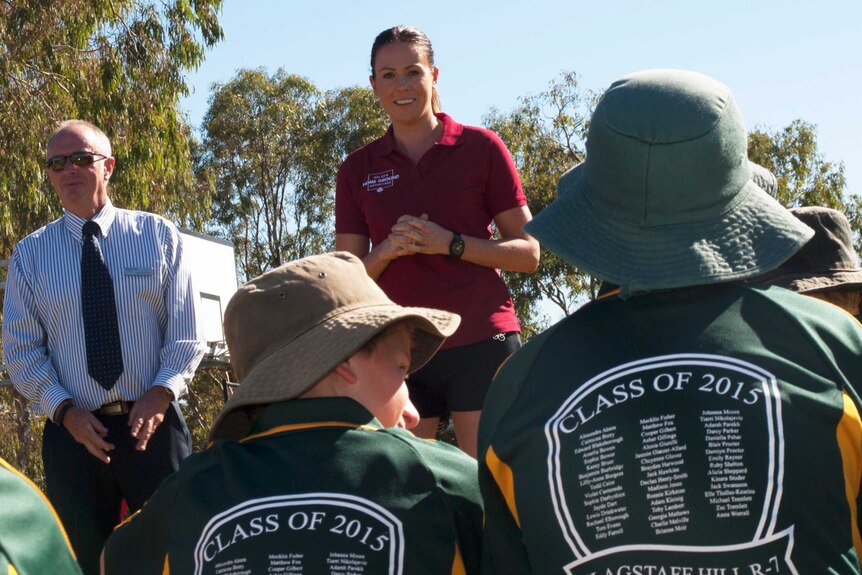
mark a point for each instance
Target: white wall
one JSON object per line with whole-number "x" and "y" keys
{"x": 213, "y": 268}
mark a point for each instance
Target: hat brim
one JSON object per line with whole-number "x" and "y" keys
{"x": 297, "y": 366}
{"x": 753, "y": 235}
{"x": 837, "y": 280}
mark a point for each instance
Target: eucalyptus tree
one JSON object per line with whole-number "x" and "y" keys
{"x": 117, "y": 63}
{"x": 271, "y": 150}
{"x": 545, "y": 134}
{"x": 805, "y": 177}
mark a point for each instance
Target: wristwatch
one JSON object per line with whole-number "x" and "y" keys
{"x": 456, "y": 246}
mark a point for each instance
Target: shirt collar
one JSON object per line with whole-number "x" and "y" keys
{"x": 322, "y": 411}
{"x": 104, "y": 218}
{"x": 452, "y": 132}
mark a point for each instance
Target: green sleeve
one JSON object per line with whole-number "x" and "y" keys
{"x": 507, "y": 385}
{"x": 502, "y": 543}
{"x": 32, "y": 539}
{"x": 455, "y": 474}
{"x": 503, "y": 549}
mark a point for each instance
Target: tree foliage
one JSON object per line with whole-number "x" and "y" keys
{"x": 545, "y": 134}
{"x": 805, "y": 177}
{"x": 117, "y": 63}
{"x": 271, "y": 150}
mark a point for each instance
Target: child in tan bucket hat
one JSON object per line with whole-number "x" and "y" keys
{"x": 827, "y": 267}
{"x": 317, "y": 312}
{"x": 308, "y": 467}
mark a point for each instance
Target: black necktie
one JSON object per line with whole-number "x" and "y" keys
{"x": 101, "y": 331}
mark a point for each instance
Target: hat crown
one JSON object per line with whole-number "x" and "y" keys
{"x": 831, "y": 248}
{"x": 667, "y": 197}
{"x": 292, "y": 299}
{"x": 828, "y": 262}
{"x": 290, "y": 327}
{"x": 666, "y": 147}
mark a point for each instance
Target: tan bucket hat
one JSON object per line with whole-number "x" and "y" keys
{"x": 291, "y": 326}
{"x": 828, "y": 262}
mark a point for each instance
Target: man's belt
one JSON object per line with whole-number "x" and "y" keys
{"x": 115, "y": 408}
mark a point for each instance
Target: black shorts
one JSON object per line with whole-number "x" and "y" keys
{"x": 458, "y": 378}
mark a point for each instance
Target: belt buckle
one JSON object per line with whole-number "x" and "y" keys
{"x": 115, "y": 408}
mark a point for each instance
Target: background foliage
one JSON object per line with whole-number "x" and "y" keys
{"x": 118, "y": 64}
{"x": 805, "y": 177}
{"x": 271, "y": 149}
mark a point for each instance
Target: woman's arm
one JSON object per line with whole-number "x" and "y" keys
{"x": 376, "y": 260}
{"x": 515, "y": 250}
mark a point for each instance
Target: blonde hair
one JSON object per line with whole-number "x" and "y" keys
{"x": 848, "y": 300}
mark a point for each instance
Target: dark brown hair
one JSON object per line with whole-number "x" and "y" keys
{"x": 416, "y": 38}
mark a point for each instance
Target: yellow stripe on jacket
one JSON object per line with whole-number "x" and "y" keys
{"x": 505, "y": 480}
{"x": 849, "y": 434}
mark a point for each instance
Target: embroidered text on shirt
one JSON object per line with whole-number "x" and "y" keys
{"x": 377, "y": 182}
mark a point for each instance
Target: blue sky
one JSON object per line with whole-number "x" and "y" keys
{"x": 783, "y": 60}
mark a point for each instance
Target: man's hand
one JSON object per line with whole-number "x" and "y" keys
{"x": 89, "y": 432}
{"x": 147, "y": 414}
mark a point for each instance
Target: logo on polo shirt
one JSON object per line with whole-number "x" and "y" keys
{"x": 380, "y": 181}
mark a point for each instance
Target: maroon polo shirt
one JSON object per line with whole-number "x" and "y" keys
{"x": 464, "y": 181}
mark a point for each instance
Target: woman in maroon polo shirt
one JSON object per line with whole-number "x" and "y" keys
{"x": 417, "y": 206}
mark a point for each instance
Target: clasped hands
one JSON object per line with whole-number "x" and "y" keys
{"x": 418, "y": 235}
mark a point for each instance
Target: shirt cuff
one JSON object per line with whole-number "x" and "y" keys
{"x": 51, "y": 400}
{"x": 173, "y": 381}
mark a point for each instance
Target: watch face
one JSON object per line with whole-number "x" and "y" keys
{"x": 456, "y": 248}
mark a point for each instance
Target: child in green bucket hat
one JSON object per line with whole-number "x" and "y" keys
{"x": 693, "y": 423}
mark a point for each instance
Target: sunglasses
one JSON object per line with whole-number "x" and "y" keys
{"x": 78, "y": 159}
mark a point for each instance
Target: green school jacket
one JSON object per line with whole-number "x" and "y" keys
{"x": 317, "y": 487}
{"x": 700, "y": 431}
{"x": 32, "y": 539}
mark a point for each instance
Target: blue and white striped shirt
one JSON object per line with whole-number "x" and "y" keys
{"x": 43, "y": 333}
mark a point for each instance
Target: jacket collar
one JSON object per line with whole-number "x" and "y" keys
{"x": 298, "y": 414}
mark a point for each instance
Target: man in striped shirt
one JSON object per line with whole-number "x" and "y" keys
{"x": 104, "y": 441}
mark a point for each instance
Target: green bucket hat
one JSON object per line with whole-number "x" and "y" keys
{"x": 666, "y": 197}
